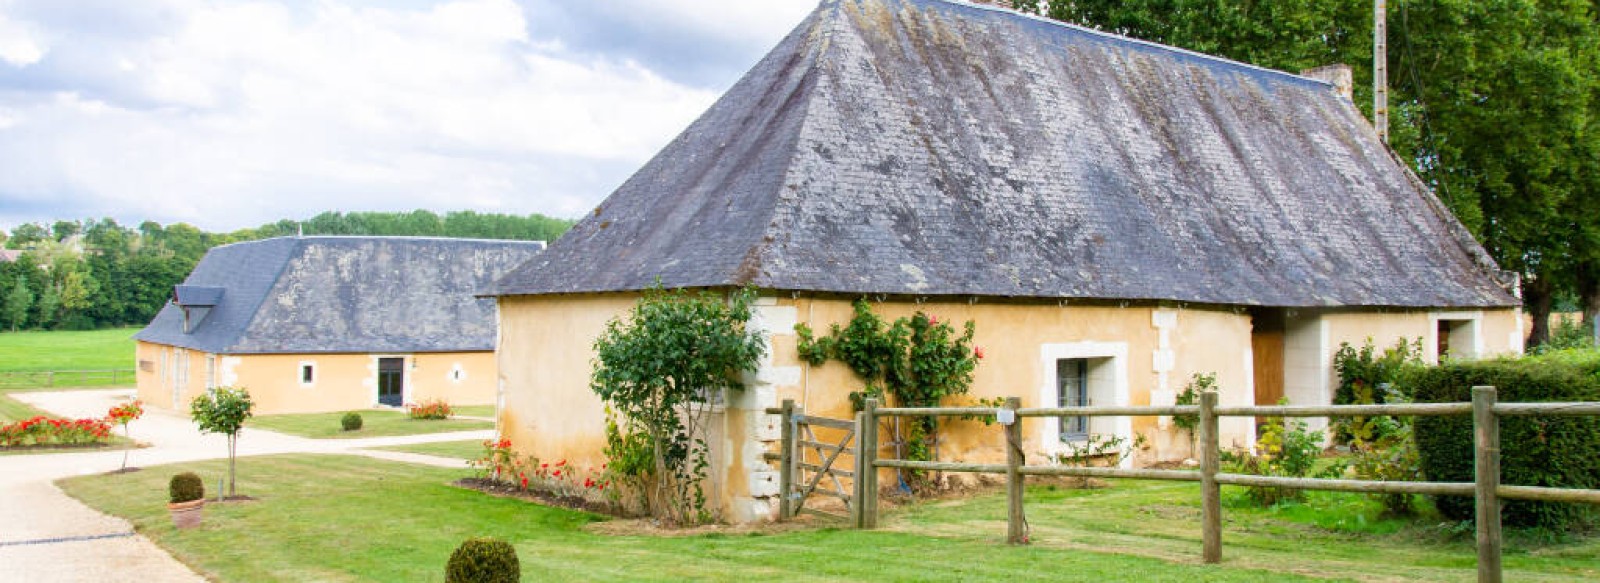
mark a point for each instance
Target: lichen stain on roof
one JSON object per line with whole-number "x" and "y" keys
{"x": 935, "y": 148}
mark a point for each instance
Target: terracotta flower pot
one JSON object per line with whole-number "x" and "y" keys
{"x": 186, "y": 514}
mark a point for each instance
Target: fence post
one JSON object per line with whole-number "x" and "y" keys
{"x": 868, "y": 439}
{"x": 858, "y": 485}
{"x": 1016, "y": 523}
{"x": 1486, "y": 442}
{"x": 786, "y": 463}
{"x": 1210, "y": 491}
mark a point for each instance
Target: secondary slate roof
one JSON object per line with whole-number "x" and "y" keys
{"x": 932, "y": 148}
{"x": 342, "y": 294}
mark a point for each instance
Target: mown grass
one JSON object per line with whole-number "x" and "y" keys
{"x": 1334, "y": 535}
{"x": 466, "y": 450}
{"x": 112, "y": 348}
{"x": 484, "y": 411}
{"x": 307, "y": 525}
{"x": 375, "y": 423}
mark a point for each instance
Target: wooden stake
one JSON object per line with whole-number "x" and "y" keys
{"x": 869, "y": 475}
{"x": 858, "y": 481}
{"x": 1016, "y": 522}
{"x": 1210, "y": 491}
{"x": 786, "y": 463}
{"x": 1486, "y": 433}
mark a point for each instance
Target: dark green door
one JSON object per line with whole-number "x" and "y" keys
{"x": 391, "y": 381}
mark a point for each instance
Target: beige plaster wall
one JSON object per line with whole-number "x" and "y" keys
{"x": 549, "y": 411}
{"x": 162, "y": 371}
{"x": 545, "y": 350}
{"x": 1314, "y": 337}
{"x": 340, "y": 381}
{"x": 1015, "y": 339}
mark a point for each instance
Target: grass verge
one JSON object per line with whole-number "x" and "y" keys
{"x": 465, "y": 450}
{"x": 375, "y": 423}
{"x": 13, "y": 410}
{"x": 304, "y": 526}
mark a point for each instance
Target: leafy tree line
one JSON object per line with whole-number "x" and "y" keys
{"x": 1494, "y": 103}
{"x": 80, "y": 275}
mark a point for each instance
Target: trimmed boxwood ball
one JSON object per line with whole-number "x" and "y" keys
{"x": 351, "y": 421}
{"x": 185, "y": 487}
{"x": 1534, "y": 451}
{"x": 483, "y": 560}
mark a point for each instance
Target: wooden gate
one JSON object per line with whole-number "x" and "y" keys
{"x": 808, "y": 466}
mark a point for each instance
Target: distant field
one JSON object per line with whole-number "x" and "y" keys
{"x": 89, "y": 350}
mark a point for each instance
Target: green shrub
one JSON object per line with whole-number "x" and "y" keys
{"x": 1287, "y": 451}
{"x": 483, "y": 560}
{"x": 1535, "y": 451}
{"x": 1369, "y": 378}
{"x": 351, "y": 421}
{"x": 185, "y": 487}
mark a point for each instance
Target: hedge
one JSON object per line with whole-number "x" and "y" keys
{"x": 1535, "y": 451}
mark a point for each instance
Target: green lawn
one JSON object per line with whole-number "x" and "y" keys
{"x": 375, "y": 423}
{"x": 307, "y": 524}
{"x": 484, "y": 411}
{"x": 87, "y": 350}
{"x": 466, "y": 450}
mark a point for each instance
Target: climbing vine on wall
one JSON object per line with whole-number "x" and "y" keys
{"x": 913, "y": 362}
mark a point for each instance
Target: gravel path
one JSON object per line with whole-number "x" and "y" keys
{"x": 47, "y": 536}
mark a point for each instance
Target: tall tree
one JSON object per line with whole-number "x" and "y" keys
{"x": 18, "y": 300}
{"x": 27, "y": 234}
{"x": 1494, "y": 101}
{"x": 49, "y": 305}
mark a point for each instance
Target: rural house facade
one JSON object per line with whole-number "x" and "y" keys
{"x": 317, "y": 324}
{"x": 1114, "y": 215}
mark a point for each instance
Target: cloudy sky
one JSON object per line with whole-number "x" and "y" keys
{"x": 233, "y": 113}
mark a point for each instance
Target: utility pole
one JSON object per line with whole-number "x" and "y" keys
{"x": 1380, "y": 69}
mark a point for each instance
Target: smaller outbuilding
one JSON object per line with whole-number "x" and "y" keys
{"x": 315, "y": 324}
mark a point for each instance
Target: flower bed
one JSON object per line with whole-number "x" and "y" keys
{"x": 44, "y": 431}
{"x": 436, "y": 409}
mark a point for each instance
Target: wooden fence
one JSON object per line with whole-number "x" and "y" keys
{"x": 1487, "y": 489}
{"x": 64, "y": 378}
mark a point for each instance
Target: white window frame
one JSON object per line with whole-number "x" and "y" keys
{"x": 1108, "y": 386}
{"x": 1473, "y": 323}
{"x": 300, "y": 373}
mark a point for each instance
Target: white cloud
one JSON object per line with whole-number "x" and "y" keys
{"x": 17, "y": 44}
{"x": 233, "y": 113}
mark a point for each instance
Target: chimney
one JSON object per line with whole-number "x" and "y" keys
{"x": 1340, "y": 76}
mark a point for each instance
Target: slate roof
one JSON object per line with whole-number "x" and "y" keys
{"x": 342, "y": 294}
{"x": 935, "y": 148}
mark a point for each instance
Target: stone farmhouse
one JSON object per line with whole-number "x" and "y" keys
{"x": 1115, "y": 215}
{"x": 316, "y": 324}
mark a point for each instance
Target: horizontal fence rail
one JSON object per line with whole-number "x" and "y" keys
{"x": 1484, "y": 410}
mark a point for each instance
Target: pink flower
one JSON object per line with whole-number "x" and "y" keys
{"x": 933, "y": 320}
{"x": 978, "y": 352}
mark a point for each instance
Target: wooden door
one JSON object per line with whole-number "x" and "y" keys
{"x": 1266, "y": 344}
